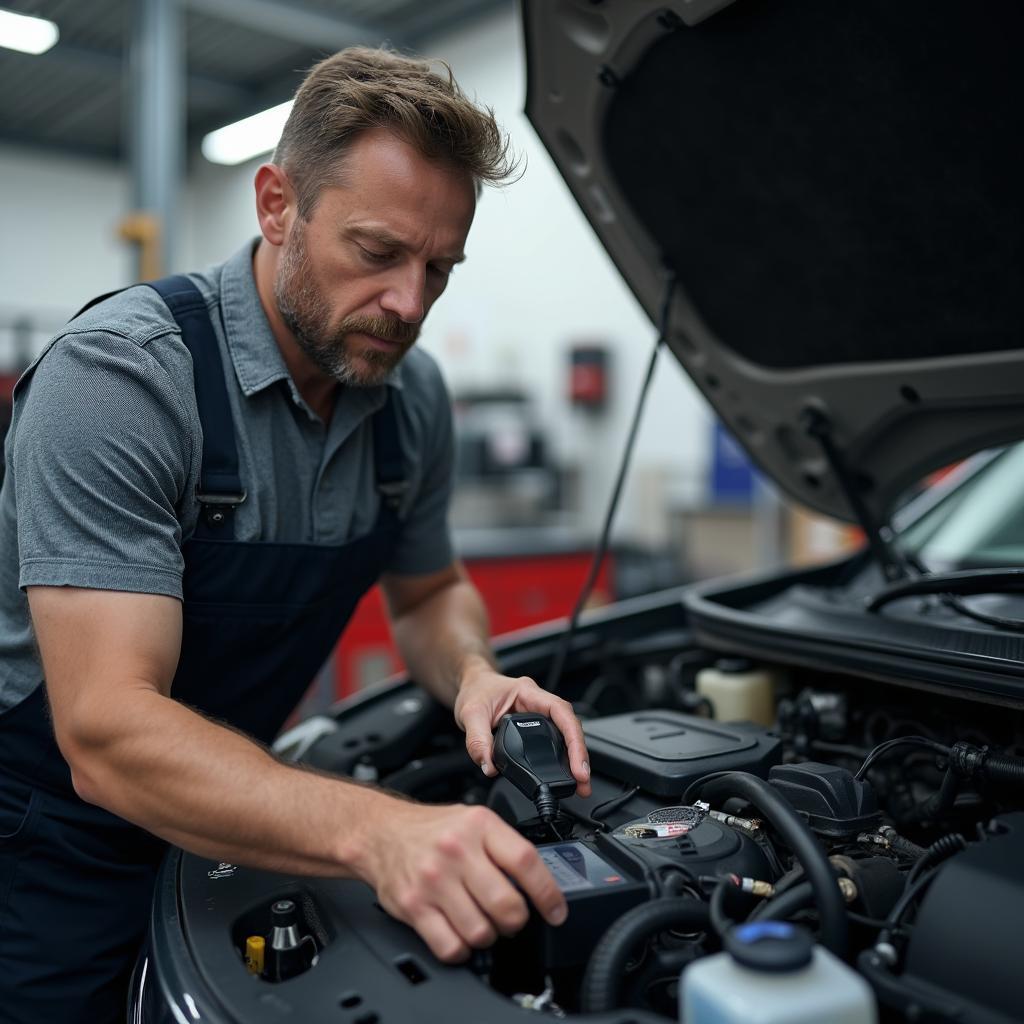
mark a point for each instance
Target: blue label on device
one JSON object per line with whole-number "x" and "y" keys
{"x": 576, "y": 867}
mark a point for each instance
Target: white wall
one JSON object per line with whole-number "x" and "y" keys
{"x": 536, "y": 281}
{"x": 58, "y": 241}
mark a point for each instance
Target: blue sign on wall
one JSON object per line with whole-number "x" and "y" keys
{"x": 732, "y": 476}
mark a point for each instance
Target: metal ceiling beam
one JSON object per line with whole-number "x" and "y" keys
{"x": 440, "y": 17}
{"x": 292, "y": 21}
{"x": 87, "y": 107}
{"x": 60, "y": 147}
{"x": 211, "y": 92}
{"x": 276, "y": 91}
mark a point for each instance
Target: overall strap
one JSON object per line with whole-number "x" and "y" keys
{"x": 220, "y": 490}
{"x": 389, "y": 464}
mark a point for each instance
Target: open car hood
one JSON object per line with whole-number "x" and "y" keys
{"x": 836, "y": 188}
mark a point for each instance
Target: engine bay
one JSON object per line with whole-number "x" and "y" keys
{"x": 887, "y": 820}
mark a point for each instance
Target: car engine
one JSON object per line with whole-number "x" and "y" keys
{"x": 887, "y": 820}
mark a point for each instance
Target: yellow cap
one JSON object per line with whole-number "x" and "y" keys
{"x": 255, "y": 947}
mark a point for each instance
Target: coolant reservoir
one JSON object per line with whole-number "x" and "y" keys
{"x": 772, "y": 973}
{"x": 739, "y": 690}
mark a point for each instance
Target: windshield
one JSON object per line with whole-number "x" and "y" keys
{"x": 975, "y": 520}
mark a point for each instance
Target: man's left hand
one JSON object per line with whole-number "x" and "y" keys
{"x": 485, "y": 695}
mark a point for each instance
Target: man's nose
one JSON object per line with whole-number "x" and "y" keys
{"x": 404, "y": 296}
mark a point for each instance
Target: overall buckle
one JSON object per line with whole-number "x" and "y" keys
{"x": 217, "y": 507}
{"x": 393, "y": 491}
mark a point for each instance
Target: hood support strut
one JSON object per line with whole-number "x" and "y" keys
{"x": 879, "y": 535}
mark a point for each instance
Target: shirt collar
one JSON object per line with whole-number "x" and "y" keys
{"x": 254, "y": 352}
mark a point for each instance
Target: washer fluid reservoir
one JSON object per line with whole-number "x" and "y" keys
{"x": 773, "y": 973}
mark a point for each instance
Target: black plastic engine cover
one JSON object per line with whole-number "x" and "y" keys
{"x": 966, "y": 940}
{"x": 833, "y": 802}
{"x": 662, "y": 752}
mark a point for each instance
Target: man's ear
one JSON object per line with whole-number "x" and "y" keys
{"x": 276, "y": 204}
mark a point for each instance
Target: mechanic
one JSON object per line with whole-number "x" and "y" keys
{"x": 184, "y": 537}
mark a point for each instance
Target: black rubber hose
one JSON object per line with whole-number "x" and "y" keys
{"x": 900, "y": 844}
{"x": 939, "y": 802}
{"x": 939, "y": 851}
{"x": 786, "y": 904}
{"x": 720, "y": 920}
{"x": 970, "y": 761}
{"x": 801, "y": 841}
{"x": 417, "y": 775}
{"x": 603, "y": 978}
{"x": 1003, "y": 768}
{"x": 891, "y": 991}
{"x": 911, "y": 893}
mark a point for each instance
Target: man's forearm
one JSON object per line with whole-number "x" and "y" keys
{"x": 449, "y": 871}
{"x": 444, "y": 636}
{"x": 212, "y": 791}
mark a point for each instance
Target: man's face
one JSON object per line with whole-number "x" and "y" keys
{"x": 354, "y": 283}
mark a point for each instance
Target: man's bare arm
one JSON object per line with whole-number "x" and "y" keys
{"x": 109, "y": 659}
{"x": 441, "y": 627}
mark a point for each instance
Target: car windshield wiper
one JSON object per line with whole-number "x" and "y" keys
{"x": 956, "y": 584}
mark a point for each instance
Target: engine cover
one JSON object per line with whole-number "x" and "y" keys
{"x": 966, "y": 939}
{"x": 662, "y": 752}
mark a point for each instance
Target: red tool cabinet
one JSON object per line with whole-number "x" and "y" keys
{"x": 520, "y": 589}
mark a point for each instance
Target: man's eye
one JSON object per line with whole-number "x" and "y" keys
{"x": 372, "y": 256}
{"x": 440, "y": 271}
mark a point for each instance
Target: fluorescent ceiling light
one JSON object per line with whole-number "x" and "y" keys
{"x": 247, "y": 138}
{"x": 29, "y": 35}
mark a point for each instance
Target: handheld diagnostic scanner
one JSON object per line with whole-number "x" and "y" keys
{"x": 530, "y": 752}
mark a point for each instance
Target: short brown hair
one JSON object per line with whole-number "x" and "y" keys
{"x": 361, "y": 88}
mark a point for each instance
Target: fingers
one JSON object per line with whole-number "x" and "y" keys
{"x": 437, "y": 932}
{"x": 457, "y": 884}
{"x": 479, "y": 742}
{"x": 521, "y": 861}
{"x": 477, "y": 717}
{"x": 468, "y": 921}
{"x": 560, "y": 712}
{"x": 496, "y": 897}
{"x": 476, "y": 895}
{"x": 418, "y": 906}
{"x": 469, "y": 914}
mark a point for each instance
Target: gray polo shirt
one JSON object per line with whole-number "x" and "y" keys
{"x": 105, "y": 445}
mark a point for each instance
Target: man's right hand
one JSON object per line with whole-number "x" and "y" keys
{"x": 446, "y": 872}
{"x": 450, "y": 872}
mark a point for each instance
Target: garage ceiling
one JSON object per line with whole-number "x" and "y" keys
{"x": 242, "y": 56}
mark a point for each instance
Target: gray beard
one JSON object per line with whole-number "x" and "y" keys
{"x": 307, "y": 316}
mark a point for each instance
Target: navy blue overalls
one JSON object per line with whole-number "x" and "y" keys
{"x": 259, "y": 620}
